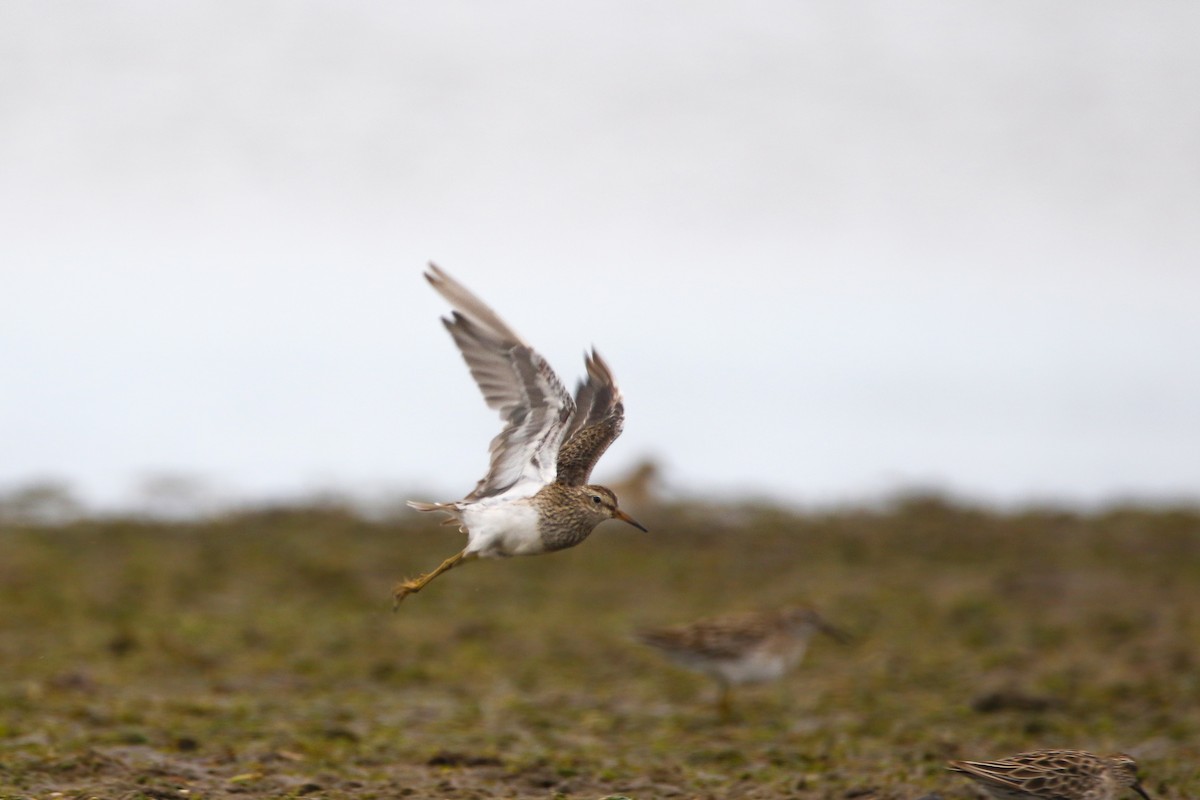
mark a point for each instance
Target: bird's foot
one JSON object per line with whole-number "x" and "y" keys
{"x": 404, "y": 588}
{"x": 413, "y": 585}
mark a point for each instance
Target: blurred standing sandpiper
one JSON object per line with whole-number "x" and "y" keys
{"x": 737, "y": 649}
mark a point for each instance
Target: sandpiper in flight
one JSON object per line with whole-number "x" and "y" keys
{"x": 534, "y": 498}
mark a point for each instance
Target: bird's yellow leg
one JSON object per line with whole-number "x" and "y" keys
{"x": 724, "y": 707}
{"x": 413, "y": 585}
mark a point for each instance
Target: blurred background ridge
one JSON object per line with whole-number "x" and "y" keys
{"x": 831, "y": 250}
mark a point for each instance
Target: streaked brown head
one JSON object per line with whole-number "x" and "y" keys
{"x": 1125, "y": 770}
{"x": 604, "y": 503}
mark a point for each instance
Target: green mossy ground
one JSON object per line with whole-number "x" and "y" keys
{"x": 258, "y": 656}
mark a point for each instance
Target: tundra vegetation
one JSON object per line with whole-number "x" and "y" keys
{"x": 256, "y": 655}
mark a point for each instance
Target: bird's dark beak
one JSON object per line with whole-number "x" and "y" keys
{"x": 1137, "y": 787}
{"x": 837, "y": 634}
{"x": 621, "y": 515}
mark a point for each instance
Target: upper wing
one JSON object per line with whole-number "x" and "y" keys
{"x": 597, "y": 422}
{"x": 722, "y": 637}
{"x": 999, "y": 773}
{"x": 1045, "y": 773}
{"x": 515, "y": 381}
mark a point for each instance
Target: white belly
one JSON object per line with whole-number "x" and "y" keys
{"x": 502, "y": 530}
{"x": 759, "y": 665}
{"x": 755, "y": 668}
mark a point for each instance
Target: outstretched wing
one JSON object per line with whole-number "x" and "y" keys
{"x": 597, "y": 422}
{"x": 515, "y": 381}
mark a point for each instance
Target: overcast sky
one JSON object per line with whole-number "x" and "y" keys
{"x": 831, "y": 249}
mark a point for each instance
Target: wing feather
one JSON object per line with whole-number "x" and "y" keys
{"x": 996, "y": 772}
{"x": 1044, "y": 772}
{"x": 598, "y": 420}
{"x": 516, "y": 381}
{"x": 727, "y": 636}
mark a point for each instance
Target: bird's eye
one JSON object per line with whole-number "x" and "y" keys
{"x": 596, "y": 499}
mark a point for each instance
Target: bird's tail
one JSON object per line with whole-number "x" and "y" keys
{"x": 450, "y": 509}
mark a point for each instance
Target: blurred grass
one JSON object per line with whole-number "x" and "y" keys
{"x": 258, "y": 655}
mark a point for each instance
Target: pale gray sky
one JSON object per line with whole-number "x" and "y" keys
{"x": 831, "y": 249}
